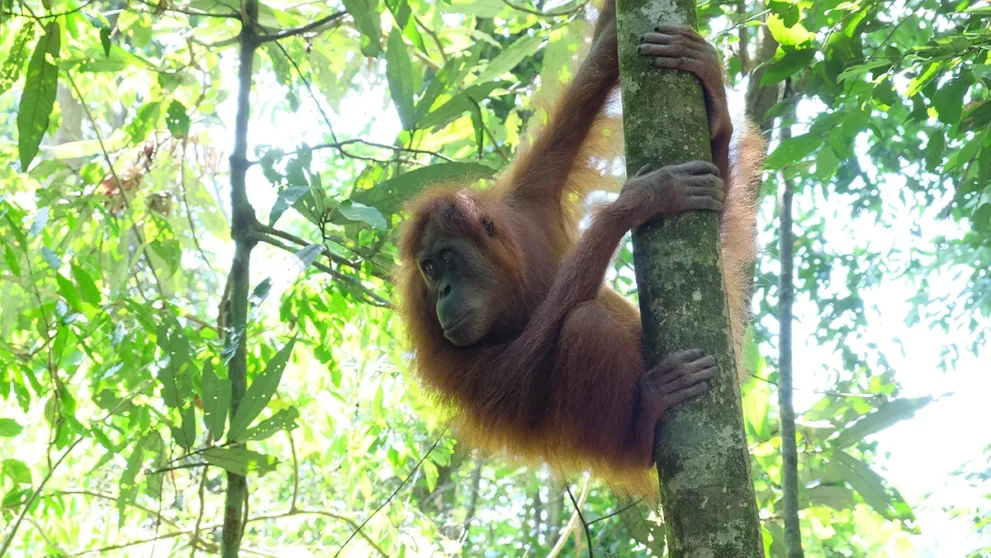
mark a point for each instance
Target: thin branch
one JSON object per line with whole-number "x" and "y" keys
{"x": 51, "y": 16}
{"x": 189, "y": 210}
{"x": 395, "y": 148}
{"x": 353, "y": 282}
{"x": 563, "y": 537}
{"x": 313, "y": 26}
{"x": 536, "y": 12}
{"x": 192, "y": 12}
{"x": 615, "y": 513}
{"x": 578, "y": 512}
{"x": 822, "y": 392}
{"x": 34, "y": 496}
{"x": 303, "y": 243}
{"x": 393, "y": 495}
{"x": 295, "y": 473}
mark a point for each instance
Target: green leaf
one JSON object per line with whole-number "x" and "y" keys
{"x": 240, "y": 461}
{"x": 260, "y": 392}
{"x": 11, "y": 259}
{"x": 949, "y": 101}
{"x": 366, "y": 19}
{"x": 923, "y": 79}
{"x": 982, "y": 218}
{"x": 935, "y": 150}
{"x": 9, "y": 428}
{"x": 144, "y": 121}
{"x": 866, "y": 482}
{"x": 11, "y": 69}
{"x": 175, "y": 375}
{"x": 216, "y": 401}
{"x": 87, "y": 287}
{"x": 886, "y": 415}
{"x": 787, "y": 64}
{"x": 127, "y": 489}
{"x": 177, "y": 120}
{"x": 826, "y": 163}
{"x": 837, "y": 497}
{"x": 981, "y": 71}
{"x": 399, "y": 72}
{"x": 510, "y": 57}
{"x": 105, "y": 40}
{"x": 401, "y": 12}
{"x": 388, "y": 196}
{"x": 287, "y": 198}
{"x": 282, "y": 420}
{"x": 355, "y": 211}
{"x": 16, "y": 471}
{"x": 793, "y": 150}
{"x": 479, "y": 124}
{"x": 38, "y": 97}
{"x": 790, "y": 35}
{"x": 68, "y": 292}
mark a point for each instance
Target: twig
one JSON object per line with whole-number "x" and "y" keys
{"x": 295, "y": 472}
{"x": 189, "y": 211}
{"x": 558, "y": 13}
{"x": 393, "y": 495}
{"x": 302, "y": 29}
{"x": 191, "y": 12}
{"x": 309, "y": 89}
{"x": 118, "y": 182}
{"x": 376, "y": 299}
{"x": 52, "y": 16}
{"x": 578, "y": 512}
{"x": 303, "y": 243}
{"x": 563, "y": 537}
{"x": 395, "y": 148}
{"x": 823, "y": 392}
{"x": 34, "y": 496}
{"x": 615, "y": 513}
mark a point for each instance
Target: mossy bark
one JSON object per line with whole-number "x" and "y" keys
{"x": 709, "y": 505}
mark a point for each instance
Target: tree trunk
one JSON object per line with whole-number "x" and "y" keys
{"x": 708, "y": 498}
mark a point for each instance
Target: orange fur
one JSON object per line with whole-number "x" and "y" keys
{"x": 559, "y": 381}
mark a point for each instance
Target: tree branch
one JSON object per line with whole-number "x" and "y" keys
{"x": 393, "y": 495}
{"x": 371, "y": 297}
{"x": 313, "y": 26}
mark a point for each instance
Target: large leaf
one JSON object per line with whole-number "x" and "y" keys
{"x": 9, "y": 428}
{"x": 793, "y": 150}
{"x": 366, "y": 19}
{"x": 389, "y": 195}
{"x": 883, "y": 417}
{"x": 355, "y": 211}
{"x": 282, "y": 420}
{"x": 287, "y": 198}
{"x": 38, "y": 97}
{"x": 788, "y": 63}
{"x": 216, "y": 401}
{"x": 239, "y": 460}
{"x": 870, "y": 486}
{"x": 261, "y": 391}
{"x": 509, "y": 58}
{"x": 399, "y": 72}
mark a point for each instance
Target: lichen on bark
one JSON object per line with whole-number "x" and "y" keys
{"x": 704, "y": 466}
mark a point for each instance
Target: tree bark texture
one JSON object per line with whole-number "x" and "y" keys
{"x": 709, "y": 505}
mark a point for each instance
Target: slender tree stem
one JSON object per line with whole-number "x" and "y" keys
{"x": 243, "y": 217}
{"x": 786, "y": 299}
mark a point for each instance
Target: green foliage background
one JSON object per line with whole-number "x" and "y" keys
{"x": 115, "y": 123}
